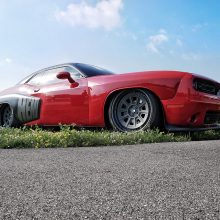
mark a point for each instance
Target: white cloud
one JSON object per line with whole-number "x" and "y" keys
{"x": 191, "y": 56}
{"x": 5, "y": 61}
{"x": 127, "y": 34}
{"x": 198, "y": 27}
{"x": 105, "y": 14}
{"x": 179, "y": 43}
{"x": 162, "y": 31}
{"x": 8, "y": 60}
{"x": 155, "y": 41}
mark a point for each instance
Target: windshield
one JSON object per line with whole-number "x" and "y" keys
{"x": 90, "y": 71}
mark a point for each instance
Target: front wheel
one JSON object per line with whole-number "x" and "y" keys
{"x": 134, "y": 110}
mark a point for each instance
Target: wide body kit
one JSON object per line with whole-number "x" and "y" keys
{"x": 186, "y": 101}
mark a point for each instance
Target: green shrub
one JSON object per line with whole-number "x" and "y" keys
{"x": 68, "y": 137}
{"x": 206, "y": 135}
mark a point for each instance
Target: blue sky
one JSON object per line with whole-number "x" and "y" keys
{"x": 121, "y": 35}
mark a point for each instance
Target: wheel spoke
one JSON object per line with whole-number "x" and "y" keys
{"x": 134, "y": 99}
{"x": 128, "y": 122}
{"x": 123, "y": 102}
{"x": 125, "y": 116}
{"x": 142, "y": 104}
{"x": 122, "y": 119}
{"x": 138, "y": 99}
{"x": 141, "y": 119}
{"x": 135, "y": 123}
{"x": 122, "y": 110}
{"x": 144, "y": 111}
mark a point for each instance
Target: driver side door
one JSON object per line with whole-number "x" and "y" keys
{"x": 62, "y": 103}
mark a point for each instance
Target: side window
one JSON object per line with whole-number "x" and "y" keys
{"x": 75, "y": 74}
{"x": 46, "y": 77}
{"x": 50, "y": 76}
{"x": 36, "y": 80}
{"x": 26, "y": 79}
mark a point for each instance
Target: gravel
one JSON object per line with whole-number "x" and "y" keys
{"x": 151, "y": 181}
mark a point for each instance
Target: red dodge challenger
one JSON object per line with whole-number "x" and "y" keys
{"x": 88, "y": 96}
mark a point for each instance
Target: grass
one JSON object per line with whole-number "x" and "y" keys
{"x": 70, "y": 137}
{"x": 206, "y": 135}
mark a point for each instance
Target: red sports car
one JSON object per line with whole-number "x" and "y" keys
{"x": 90, "y": 96}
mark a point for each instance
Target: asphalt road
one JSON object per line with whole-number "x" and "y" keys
{"x": 156, "y": 181}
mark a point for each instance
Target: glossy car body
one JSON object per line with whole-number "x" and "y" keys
{"x": 187, "y": 101}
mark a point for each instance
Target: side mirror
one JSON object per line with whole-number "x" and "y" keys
{"x": 65, "y": 75}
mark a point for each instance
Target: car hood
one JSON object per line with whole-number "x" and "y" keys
{"x": 138, "y": 76}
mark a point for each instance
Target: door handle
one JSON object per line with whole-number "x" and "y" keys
{"x": 36, "y": 90}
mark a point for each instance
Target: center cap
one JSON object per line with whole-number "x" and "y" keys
{"x": 133, "y": 110}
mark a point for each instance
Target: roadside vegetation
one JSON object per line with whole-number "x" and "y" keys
{"x": 70, "y": 137}
{"x": 205, "y": 135}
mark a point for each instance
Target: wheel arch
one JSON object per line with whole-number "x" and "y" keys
{"x": 115, "y": 92}
{"x": 2, "y": 105}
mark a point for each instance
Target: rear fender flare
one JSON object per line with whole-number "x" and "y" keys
{"x": 25, "y": 108}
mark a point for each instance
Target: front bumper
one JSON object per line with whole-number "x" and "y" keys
{"x": 190, "y": 109}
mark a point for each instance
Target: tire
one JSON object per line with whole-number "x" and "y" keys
{"x": 7, "y": 117}
{"x": 134, "y": 110}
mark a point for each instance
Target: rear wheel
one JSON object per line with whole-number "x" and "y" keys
{"x": 134, "y": 110}
{"x": 7, "y": 117}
